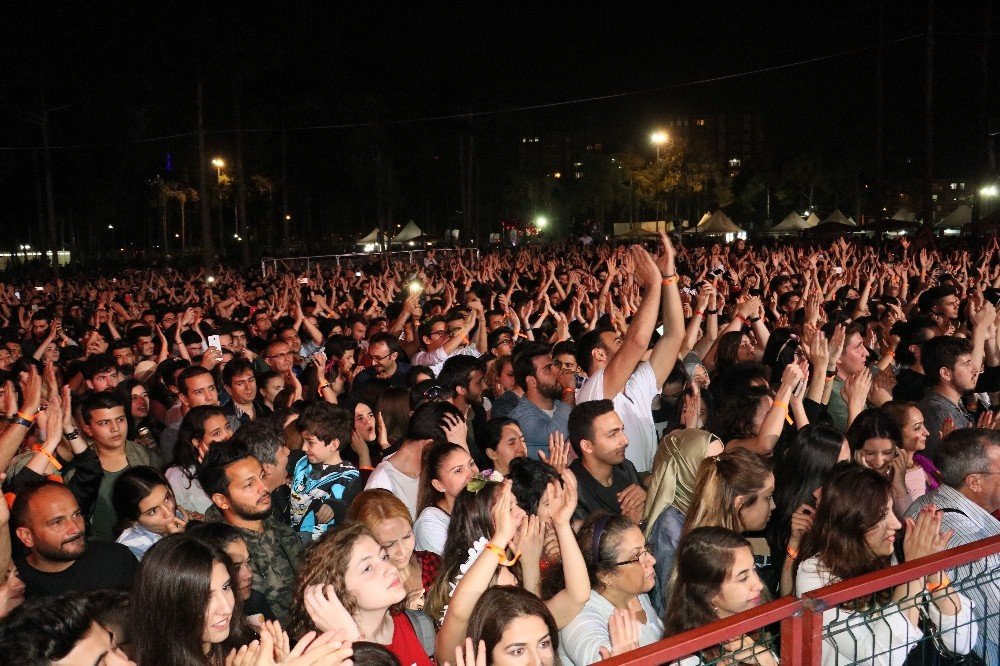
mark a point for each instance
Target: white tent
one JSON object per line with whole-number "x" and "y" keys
{"x": 370, "y": 238}
{"x": 792, "y": 223}
{"x": 836, "y": 217}
{"x": 704, "y": 218}
{"x": 905, "y": 214}
{"x": 956, "y": 219}
{"x": 718, "y": 223}
{"x": 812, "y": 220}
{"x": 407, "y": 233}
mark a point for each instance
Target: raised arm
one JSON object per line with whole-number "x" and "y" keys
{"x": 667, "y": 348}
{"x": 636, "y": 338}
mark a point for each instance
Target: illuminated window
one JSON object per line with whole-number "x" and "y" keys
{"x": 735, "y": 162}
{"x": 578, "y": 175}
{"x": 954, "y": 186}
{"x": 700, "y": 122}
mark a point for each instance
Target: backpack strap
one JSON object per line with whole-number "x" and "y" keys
{"x": 423, "y": 626}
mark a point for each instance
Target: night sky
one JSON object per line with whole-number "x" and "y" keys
{"x": 122, "y": 83}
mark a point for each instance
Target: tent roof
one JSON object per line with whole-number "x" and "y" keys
{"x": 905, "y": 214}
{"x": 836, "y": 217}
{"x": 717, "y": 223}
{"x": 792, "y": 222}
{"x": 956, "y": 218}
{"x": 407, "y": 233}
{"x": 370, "y": 238}
{"x": 812, "y": 220}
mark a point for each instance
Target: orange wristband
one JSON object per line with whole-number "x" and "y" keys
{"x": 779, "y": 403}
{"x": 667, "y": 281}
{"x": 52, "y": 458}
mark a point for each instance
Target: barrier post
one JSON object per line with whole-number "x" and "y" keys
{"x": 792, "y": 640}
{"x": 812, "y": 633}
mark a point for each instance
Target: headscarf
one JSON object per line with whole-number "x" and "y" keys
{"x": 675, "y": 469}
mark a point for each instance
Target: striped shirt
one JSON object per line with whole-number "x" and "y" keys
{"x": 978, "y": 580}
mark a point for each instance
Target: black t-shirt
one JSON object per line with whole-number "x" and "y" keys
{"x": 104, "y": 565}
{"x": 593, "y": 496}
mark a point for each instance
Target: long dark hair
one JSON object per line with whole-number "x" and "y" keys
{"x": 134, "y": 485}
{"x": 501, "y": 605}
{"x": 172, "y": 589}
{"x": 704, "y": 558}
{"x": 735, "y": 419}
{"x": 721, "y": 479}
{"x": 434, "y": 457}
{"x": 192, "y": 428}
{"x": 873, "y": 424}
{"x": 854, "y": 501}
{"x": 727, "y": 350}
{"x": 471, "y": 520}
{"x": 797, "y": 474}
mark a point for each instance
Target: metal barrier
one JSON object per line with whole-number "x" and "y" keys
{"x": 801, "y": 620}
{"x": 311, "y": 259}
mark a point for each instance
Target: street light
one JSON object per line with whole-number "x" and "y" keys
{"x": 990, "y": 191}
{"x": 541, "y": 221}
{"x": 658, "y": 138}
{"x": 219, "y": 164}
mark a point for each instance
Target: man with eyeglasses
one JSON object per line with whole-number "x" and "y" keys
{"x": 969, "y": 462}
{"x": 279, "y": 357}
{"x": 383, "y": 349}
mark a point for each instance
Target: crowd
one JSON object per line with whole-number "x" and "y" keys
{"x": 540, "y": 455}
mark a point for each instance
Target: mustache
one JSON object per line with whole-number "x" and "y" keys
{"x": 78, "y": 537}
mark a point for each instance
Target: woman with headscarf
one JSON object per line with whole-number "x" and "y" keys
{"x": 671, "y": 488}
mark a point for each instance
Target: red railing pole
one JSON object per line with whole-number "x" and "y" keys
{"x": 812, "y": 634}
{"x": 791, "y": 640}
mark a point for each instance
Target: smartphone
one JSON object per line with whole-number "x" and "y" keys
{"x": 213, "y": 341}
{"x": 39, "y": 288}
{"x": 357, "y": 273}
{"x": 17, "y": 295}
{"x": 416, "y": 287}
{"x": 303, "y": 280}
{"x": 838, "y": 269}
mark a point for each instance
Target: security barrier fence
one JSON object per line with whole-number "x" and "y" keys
{"x": 857, "y": 622}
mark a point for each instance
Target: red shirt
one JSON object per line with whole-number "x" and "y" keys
{"x": 405, "y": 644}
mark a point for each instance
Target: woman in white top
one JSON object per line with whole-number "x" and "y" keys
{"x": 853, "y": 534}
{"x": 202, "y": 426}
{"x": 447, "y": 468}
{"x": 621, "y": 572}
{"x": 716, "y": 578}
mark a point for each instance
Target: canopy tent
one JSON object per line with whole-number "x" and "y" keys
{"x": 836, "y": 217}
{"x": 718, "y": 223}
{"x": 792, "y": 223}
{"x": 956, "y": 219}
{"x": 370, "y": 238}
{"x": 905, "y": 214}
{"x": 703, "y": 220}
{"x": 812, "y": 220}
{"x": 407, "y": 233}
{"x": 646, "y": 229}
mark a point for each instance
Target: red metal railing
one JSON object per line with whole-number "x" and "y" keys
{"x": 801, "y": 619}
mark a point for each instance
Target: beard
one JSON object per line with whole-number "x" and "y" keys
{"x": 61, "y": 553}
{"x": 552, "y": 391}
{"x": 251, "y": 512}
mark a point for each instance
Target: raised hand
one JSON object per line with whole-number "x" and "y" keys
{"x": 328, "y": 613}
{"x": 564, "y": 497}
{"x": 923, "y": 535}
{"x": 624, "y": 633}
{"x": 558, "y": 455}
{"x": 467, "y": 655}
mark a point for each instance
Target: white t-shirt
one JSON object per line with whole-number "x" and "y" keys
{"x": 435, "y": 359}
{"x": 431, "y": 530}
{"x": 634, "y": 406}
{"x": 187, "y": 492}
{"x": 580, "y": 641}
{"x": 402, "y": 486}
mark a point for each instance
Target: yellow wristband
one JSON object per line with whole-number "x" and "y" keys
{"x": 779, "y": 403}
{"x": 667, "y": 281}
{"x": 502, "y": 554}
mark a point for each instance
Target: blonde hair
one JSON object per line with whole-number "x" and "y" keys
{"x": 721, "y": 479}
{"x": 372, "y": 507}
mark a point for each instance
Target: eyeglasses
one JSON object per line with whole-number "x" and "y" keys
{"x": 646, "y": 550}
{"x": 280, "y": 355}
{"x": 379, "y": 359}
{"x": 440, "y": 331}
{"x": 504, "y": 341}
